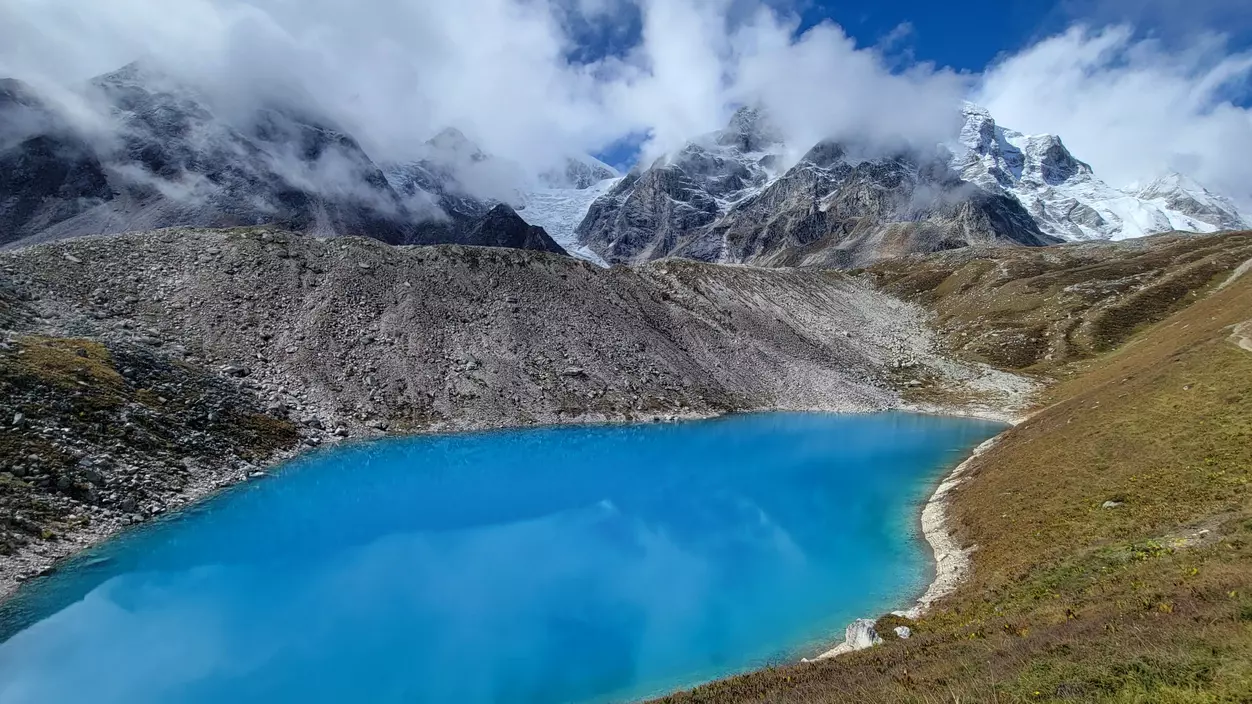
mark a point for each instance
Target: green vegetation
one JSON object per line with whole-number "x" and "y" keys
{"x": 1114, "y": 528}
{"x": 86, "y": 427}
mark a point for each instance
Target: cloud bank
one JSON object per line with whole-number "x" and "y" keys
{"x": 506, "y": 72}
{"x": 536, "y": 80}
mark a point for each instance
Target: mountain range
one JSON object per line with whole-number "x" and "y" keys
{"x": 724, "y": 197}
{"x": 1065, "y": 197}
{"x": 169, "y": 154}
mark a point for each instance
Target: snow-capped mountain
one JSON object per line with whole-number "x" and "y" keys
{"x": 1068, "y": 200}
{"x": 171, "y": 158}
{"x": 454, "y": 173}
{"x": 559, "y": 211}
{"x": 163, "y": 153}
{"x": 168, "y": 156}
{"x": 649, "y": 212}
{"x": 722, "y": 197}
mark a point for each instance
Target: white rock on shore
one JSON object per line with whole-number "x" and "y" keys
{"x": 951, "y": 564}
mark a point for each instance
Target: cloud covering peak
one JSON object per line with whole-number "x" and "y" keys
{"x": 506, "y": 72}
{"x": 535, "y": 81}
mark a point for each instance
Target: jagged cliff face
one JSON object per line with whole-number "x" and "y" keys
{"x": 1068, "y": 200}
{"x": 655, "y": 211}
{"x": 721, "y": 199}
{"x": 832, "y": 210}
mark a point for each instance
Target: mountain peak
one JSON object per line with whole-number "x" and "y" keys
{"x": 503, "y": 227}
{"x": 1067, "y": 199}
{"x": 1172, "y": 181}
{"x": 750, "y": 129}
{"x": 578, "y": 172}
{"x": 452, "y": 144}
{"x": 1184, "y": 195}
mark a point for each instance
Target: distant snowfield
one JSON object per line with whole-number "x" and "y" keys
{"x": 560, "y": 210}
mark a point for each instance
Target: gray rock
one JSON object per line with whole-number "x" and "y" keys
{"x": 833, "y": 208}
{"x": 860, "y": 634}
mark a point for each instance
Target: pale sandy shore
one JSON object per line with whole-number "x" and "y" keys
{"x": 952, "y": 562}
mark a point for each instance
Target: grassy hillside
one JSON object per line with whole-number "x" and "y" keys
{"x": 1146, "y": 600}
{"x": 1040, "y": 309}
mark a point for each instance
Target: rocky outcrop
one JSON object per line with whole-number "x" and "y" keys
{"x": 502, "y": 227}
{"x": 859, "y": 635}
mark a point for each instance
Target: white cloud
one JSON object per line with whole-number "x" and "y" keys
{"x": 395, "y": 72}
{"x": 1131, "y": 107}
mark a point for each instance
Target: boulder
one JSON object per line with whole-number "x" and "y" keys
{"x": 861, "y": 634}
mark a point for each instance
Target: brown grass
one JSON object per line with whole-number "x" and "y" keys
{"x": 1150, "y": 601}
{"x": 1040, "y": 309}
{"x": 68, "y": 363}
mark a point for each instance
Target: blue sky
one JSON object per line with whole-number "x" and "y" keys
{"x": 971, "y": 35}
{"x": 966, "y": 35}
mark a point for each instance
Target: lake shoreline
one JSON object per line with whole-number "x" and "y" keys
{"x": 29, "y": 564}
{"x": 951, "y": 562}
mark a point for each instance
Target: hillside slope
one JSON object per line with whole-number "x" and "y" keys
{"x": 1113, "y": 532}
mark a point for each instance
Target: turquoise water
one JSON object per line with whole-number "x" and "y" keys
{"x": 573, "y": 564}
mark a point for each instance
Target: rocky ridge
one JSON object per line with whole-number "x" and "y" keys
{"x": 167, "y": 153}
{"x": 725, "y": 198}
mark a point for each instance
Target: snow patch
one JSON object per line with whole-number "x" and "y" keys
{"x": 560, "y": 210}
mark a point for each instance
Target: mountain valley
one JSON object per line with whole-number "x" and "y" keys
{"x": 194, "y": 289}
